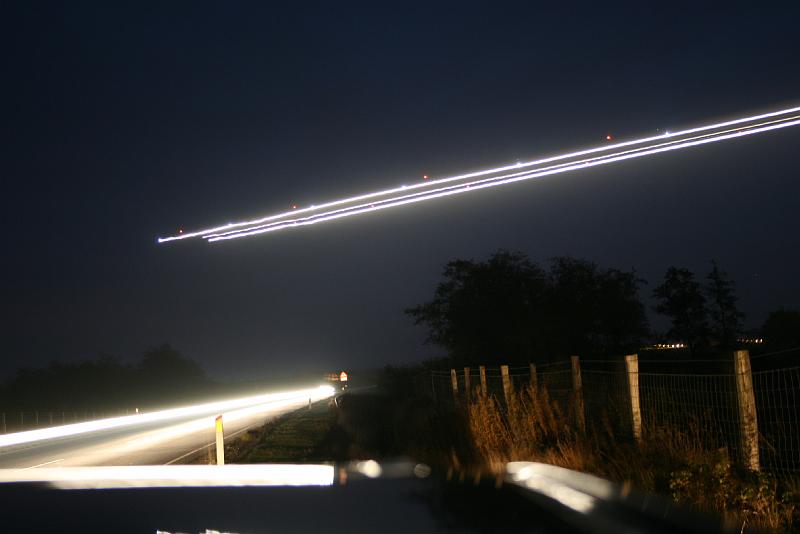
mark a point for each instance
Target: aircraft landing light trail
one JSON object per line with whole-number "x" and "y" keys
{"x": 475, "y": 181}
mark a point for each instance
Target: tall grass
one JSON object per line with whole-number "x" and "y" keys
{"x": 676, "y": 462}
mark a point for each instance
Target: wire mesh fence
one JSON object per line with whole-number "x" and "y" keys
{"x": 557, "y": 380}
{"x": 703, "y": 404}
{"x": 607, "y": 398}
{"x": 776, "y": 386}
{"x": 706, "y": 399}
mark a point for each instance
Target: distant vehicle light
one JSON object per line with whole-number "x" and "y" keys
{"x": 424, "y": 176}
{"x": 294, "y": 206}
{"x": 609, "y": 137}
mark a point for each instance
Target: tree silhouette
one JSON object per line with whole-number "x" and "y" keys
{"x": 165, "y": 374}
{"x": 593, "y": 311}
{"x": 162, "y": 376}
{"x": 509, "y": 310}
{"x": 726, "y": 319}
{"x": 486, "y": 309}
{"x": 681, "y": 299}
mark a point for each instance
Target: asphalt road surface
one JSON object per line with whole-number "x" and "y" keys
{"x": 153, "y": 438}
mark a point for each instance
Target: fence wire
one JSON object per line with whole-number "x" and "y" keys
{"x": 607, "y": 399}
{"x": 700, "y": 403}
{"x": 777, "y": 394}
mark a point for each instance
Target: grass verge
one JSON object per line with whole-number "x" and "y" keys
{"x": 295, "y": 437}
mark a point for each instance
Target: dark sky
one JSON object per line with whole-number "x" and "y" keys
{"x": 120, "y": 124}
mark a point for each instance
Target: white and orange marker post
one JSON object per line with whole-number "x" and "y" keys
{"x": 220, "y": 441}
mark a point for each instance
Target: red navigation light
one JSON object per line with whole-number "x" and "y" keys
{"x": 609, "y": 137}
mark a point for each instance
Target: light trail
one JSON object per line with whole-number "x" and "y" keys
{"x": 240, "y": 407}
{"x": 493, "y": 182}
{"x": 463, "y": 183}
{"x": 173, "y": 476}
{"x": 500, "y": 180}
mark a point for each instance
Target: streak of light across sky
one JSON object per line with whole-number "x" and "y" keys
{"x": 474, "y": 181}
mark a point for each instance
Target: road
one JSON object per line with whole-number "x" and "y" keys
{"x": 154, "y": 438}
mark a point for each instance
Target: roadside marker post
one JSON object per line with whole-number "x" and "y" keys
{"x": 220, "y": 441}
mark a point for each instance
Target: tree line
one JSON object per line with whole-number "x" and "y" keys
{"x": 162, "y": 376}
{"x": 511, "y": 309}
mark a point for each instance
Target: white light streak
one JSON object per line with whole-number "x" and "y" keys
{"x": 172, "y": 476}
{"x": 427, "y": 194}
{"x": 429, "y": 189}
{"x": 503, "y": 180}
{"x": 579, "y": 491}
{"x": 254, "y": 403}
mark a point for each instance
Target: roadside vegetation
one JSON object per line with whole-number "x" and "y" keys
{"x": 670, "y": 461}
{"x": 511, "y": 310}
{"x": 297, "y": 437}
{"x": 388, "y": 422}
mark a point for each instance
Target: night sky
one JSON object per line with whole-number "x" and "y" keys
{"x": 121, "y": 124}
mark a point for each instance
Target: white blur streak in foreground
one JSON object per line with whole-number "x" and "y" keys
{"x": 431, "y": 183}
{"x": 517, "y": 177}
{"x": 172, "y": 476}
{"x": 254, "y": 403}
{"x": 577, "y": 491}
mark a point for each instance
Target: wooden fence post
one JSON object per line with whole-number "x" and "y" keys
{"x": 506, "y": 383}
{"x": 748, "y": 420}
{"x": 482, "y": 370}
{"x": 577, "y": 390}
{"x": 466, "y": 383}
{"x": 533, "y": 377}
{"x": 632, "y": 369}
{"x": 454, "y": 383}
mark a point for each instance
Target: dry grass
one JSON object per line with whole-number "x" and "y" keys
{"x": 674, "y": 462}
